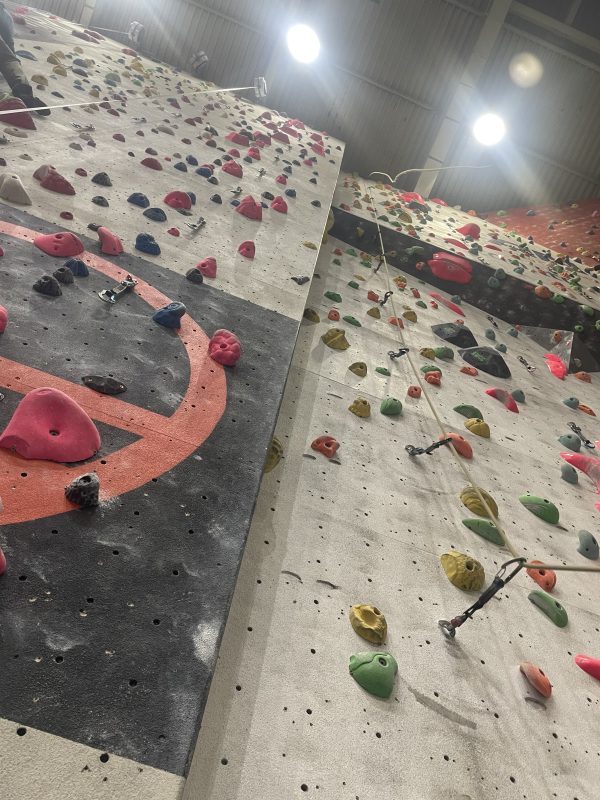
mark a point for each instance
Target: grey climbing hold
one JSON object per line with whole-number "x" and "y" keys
{"x": 570, "y": 440}
{"x": 64, "y": 275}
{"x": 588, "y": 546}
{"x": 48, "y": 285}
{"x": 84, "y": 490}
{"x": 569, "y": 473}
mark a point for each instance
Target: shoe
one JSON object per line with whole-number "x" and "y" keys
{"x": 25, "y": 94}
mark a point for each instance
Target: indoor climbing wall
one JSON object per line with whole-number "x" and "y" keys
{"x": 200, "y": 215}
{"x": 348, "y": 517}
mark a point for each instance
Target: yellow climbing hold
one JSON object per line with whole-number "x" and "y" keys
{"x": 410, "y": 315}
{"x": 336, "y": 339}
{"x": 310, "y": 245}
{"x": 60, "y": 70}
{"x": 374, "y": 312}
{"x": 478, "y": 427}
{"x": 360, "y": 407}
{"x": 53, "y": 59}
{"x": 470, "y": 499}
{"x": 428, "y": 353}
{"x": 369, "y": 623}
{"x": 464, "y": 572}
{"x": 39, "y": 80}
{"x": 274, "y": 454}
{"x": 358, "y": 368}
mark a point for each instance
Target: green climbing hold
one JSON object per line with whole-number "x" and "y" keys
{"x": 513, "y": 332}
{"x": 337, "y": 262}
{"x": 470, "y": 412}
{"x": 311, "y": 315}
{"x": 519, "y": 270}
{"x": 578, "y": 328}
{"x": 352, "y": 321}
{"x": 456, "y": 298}
{"x": 570, "y": 440}
{"x": 569, "y": 473}
{"x": 430, "y": 368}
{"x": 353, "y": 284}
{"x": 588, "y": 311}
{"x": 485, "y": 529}
{"x": 421, "y": 304}
{"x": 417, "y": 250}
{"x": 358, "y": 368}
{"x": 351, "y": 251}
{"x": 274, "y": 454}
{"x": 500, "y": 274}
{"x": 445, "y": 353}
{"x": 558, "y": 298}
{"x": 374, "y": 672}
{"x": 490, "y": 334}
{"x": 541, "y": 507}
{"x": 518, "y": 395}
{"x": 572, "y": 402}
{"x": 366, "y": 264}
{"x": 597, "y": 324}
{"x": 333, "y": 296}
{"x": 384, "y": 218}
{"x": 391, "y": 407}
{"x": 501, "y": 348}
{"x": 588, "y": 546}
{"x": 493, "y": 283}
{"x": 383, "y": 370}
{"x": 551, "y": 607}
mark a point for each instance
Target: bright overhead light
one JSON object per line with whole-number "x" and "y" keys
{"x": 525, "y": 70}
{"x": 489, "y": 129}
{"x": 303, "y": 43}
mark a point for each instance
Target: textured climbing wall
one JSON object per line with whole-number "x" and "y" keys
{"x": 284, "y": 717}
{"x": 110, "y": 619}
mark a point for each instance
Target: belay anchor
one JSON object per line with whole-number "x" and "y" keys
{"x": 419, "y": 451}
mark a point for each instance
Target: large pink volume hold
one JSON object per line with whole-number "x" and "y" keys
{"x": 49, "y": 425}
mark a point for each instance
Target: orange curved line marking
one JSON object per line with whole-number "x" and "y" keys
{"x": 164, "y": 443}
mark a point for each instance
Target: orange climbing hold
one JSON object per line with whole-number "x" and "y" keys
{"x": 543, "y": 292}
{"x": 326, "y": 445}
{"x": 462, "y": 447}
{"x": 546, "y": 578}
{"x": 334, "y": 315}
{"x": 583, "y": 376}
{"x": 469, "y": 371}
{"x": 536, "y": 678}
{"x": 586, "y": 409}
{"x": 434, "y": 378}
{"x": 414, "y": 391}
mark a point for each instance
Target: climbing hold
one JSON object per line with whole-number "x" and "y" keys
{"x": 138, "y": 199}
{"x": 487, "y": 360}
{"x": 460, "y": 444}
{"x": 470, "y": 498}
{"x": 334, "y": 315}
{"x": 104, "y": 385}
{"x": 310, "y": 245}
{"x": 353, "y": 284}
{"x": 22, "y": 118}
{"x": 463, "y": 571}
{"x": 274, "y": 454}
{"x": 485, "y": 529}
{"x": 48, "y": 285}
{"x": 55, "y": 182}
{"x": 369, "y": 623}
{"x": 430, "y": 368}
{"x": 427, "y": 352}
{"x": 232, "y": 168}
{"x": 374, "y": 672}
{"x": 569, "y": 474}
{"x": 155, "y": 214}
{"x": 410, "y": 315}
{"x": 571, "y": 402}
{"x": 518, "y": 395}
{"x": 351, "y": 320}
{"x": 536, "y": 678}
{"x": 279, "y": 205}
{"x": 311, "y": 315}
{"x": 194, "y": 275}
{"x": 177, "y": 199}
{"x": 64, "y": 275}
{"x": 471, "y": 412}
{"x": 247, "y": 249}
{"x": 445, "y": 353}
{"x": 109, "y": 242}
{"x": 102, "y": 179}
{"x": 48, "y": 425}
{"x": 390, "y": 407}
{"x": 383, "y": 371}
{"x": 170, "y": 315}
{"x": 12, "y": 189}
{"x": 570, "y": 440}
{"x": 249, "y": 208}
{"x": 586, "y": 409}
{"x": 542, "y": 508}
{"x": 512, "y": 332}
{"x": 551, "y": 607}
{"x": 3, "y": 319}
{"x": 98, "y": 200}
{"x": 546, "y": 578}
{"x": 504, "y": 397}
{"x": 336, "y": 339}
{"x": 583, "y": 376}
{"x": 333, "y": 296}
{"x": 326, "y": 445}
{"x": 145, "y": 243}
{"x": 450, "y": 267}
{"x": 490, "y": 333}
{"x": 434, "y": 378}
{"x": 501, "y": 348}
{"x": 589, "y": 665}
{"x": 358, "y": 368}
{"x": 477, "y": 426}
{"x": 208, "y": 267}
{"x": 225, "y": 348}
{"x": 61, "y": 245}
{"x": 84, "y": 490}
{"x": 414, "y": 391}
{"x": 360, "y": 407}
{"x": 151, "y": 163}
{"x": 77, "y": 267}
{"x": 588, "y": 546}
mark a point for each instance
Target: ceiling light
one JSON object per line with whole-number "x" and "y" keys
{"x": 489, "y": 129}
{"x": 303, "y": 43}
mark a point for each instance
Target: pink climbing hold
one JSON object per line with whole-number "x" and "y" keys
{"x": 109, "y": 242}
{"x": 55, "y": 182}
{"x": 234, "y": 152}
{"x": 174, "y": 232}
{"x": 20, "y": 119}
{"x": 448, "y": 303}
{"x": 450, "y": 267}
{"x": 457, "y": 243}
{"x": 589, "y": 465}
{"x": 249, "y": 208}
{"x": 280, "y": 205}
{"x": 177, "y": 199}
{"x": 238, "y": 138}
{"x": 2, "y": 556}
{"x": 42, "y": 171}
{"x": 281, "y": 179}
{"x": 589, "y": 665}
{"x": 208, "y": 267}
{"x": 151, "y": 163}
{"x": 412, "y": 197}
{"x": 556, "y": 365}
{"x": 504, "y": 397}
{"x": 470, "y": 229}
{"x": 247, "y": 249}
{"x": 3, "y": 319}
{"x": 232, "y": 168}
{"x": 62, "y": 245}
{"x": 224, "y": 347}
{"x": 253, "y": 152}
{"x": 49, "y": 425}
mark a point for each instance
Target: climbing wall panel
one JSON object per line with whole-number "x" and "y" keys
{"x": 369, "y": 526}
{"x": 111, "y": 618}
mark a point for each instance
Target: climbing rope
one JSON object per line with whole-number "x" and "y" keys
{"x": 462, "y": 466}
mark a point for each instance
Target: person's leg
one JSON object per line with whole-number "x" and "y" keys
{"x": 11, "y": 68}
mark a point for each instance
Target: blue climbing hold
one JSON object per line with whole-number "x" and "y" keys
{"x": 26, "y": 54}
{"x": 79, "y": 62}
{"x": 77, "y": 267}
{"x": 146, "y": 243}
{"x": 155, "y": 214}
{"x": 192, "y": 197}
{"x": 80, "y": 71}
{"x": 192, "y": 161}
{"x": 290, "y": 192}
{"x": 206, "y": 172}
{"x": 138, "y": 199}
{"x": 235, "y": 202}
{"x": 170, "y": 315}
{"x": 181, "y": 166}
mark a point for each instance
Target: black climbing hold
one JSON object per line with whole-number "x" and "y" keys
{"x": 151, "y": 151}
{"x": 192, "y": 161}
{"x": 316, "y": 203}
{"x": 217, "y": 162}
{"x": 104, "y": 385}
{"x": 194, "y": 275}
{"x": 77, "y": 267}
{"x": 93, "y": 226}
{"x": 312, "y": 180}
{"x": 48, "y": 285}
{"x": 216, "y": 198}
{"x": 181, "y": 166}
{"x": 138, "y": 199}
{"x": 213, "y": 180}
{"x": 84, "y": 490}
{"x": 268, "y": 196}
{"x": 102, "y": 179}
{"x": 300, "y": 279}
{"x": 64, "y": 275}
{"x": 288, "y": 170}
{"x": 487, "y": 360}
{"x": 155, "y": 214}
{"x": 100, "y": 201}
{"x": 459, "y": 335}
{"x": 192, "y": 197}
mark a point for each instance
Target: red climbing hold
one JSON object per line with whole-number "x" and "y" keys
{"x": 174, "y": 232}
{"x": 556, "y": 365}
{"x": 460, "y": 444}
{"x": 587, "y": 464}
{"x": 448, "y": 303}
{"x": 280, "y": 205}
{"x": 504, "y": 397}
{"x": 109, "y": 242}
{"x": 546, "y": 578}
{"x": 450, "y": 268}
{"x": 326, "y": 445}
{"x": 55, "y": 182}
{"x": 457, "y": 243}
{"x": 177, "y": 199}
{"x": 249, "y": 208}
{"x": 2, "y": 556}
{"x": 396, "y": 321}
{"x": 434, "y": 378}
{"x": 437, "y": 201}
{"x": 66, "y": 215}
{"x": 371, "y": 295}
{"x": 536, "y": 678}
{"x": 238, "y": 138}
{"x": 414, "y": 391}
{"x": 3, "y": 319}
{"x": 234, "y": 152}
{"x": 233, "y": 168}
{"x": 282, "y": 179}
{"x": 151, "y": 163}
{"x": 412, "y": 197}
{"x": 334, "y": 315}
{"x": 589, "y": 665}
{"x": 254, "y": 152}
{"x": 22, "y": 119}
{"x": 62, "y": 245}
{"x": 281, "y": 137}
{"x": 247, "y": 249}
{"x": 208, "y": 267}
{"x": 470, "y": 229}
{"x": 48, "y": 425}
{"x": 224, "y": 347}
